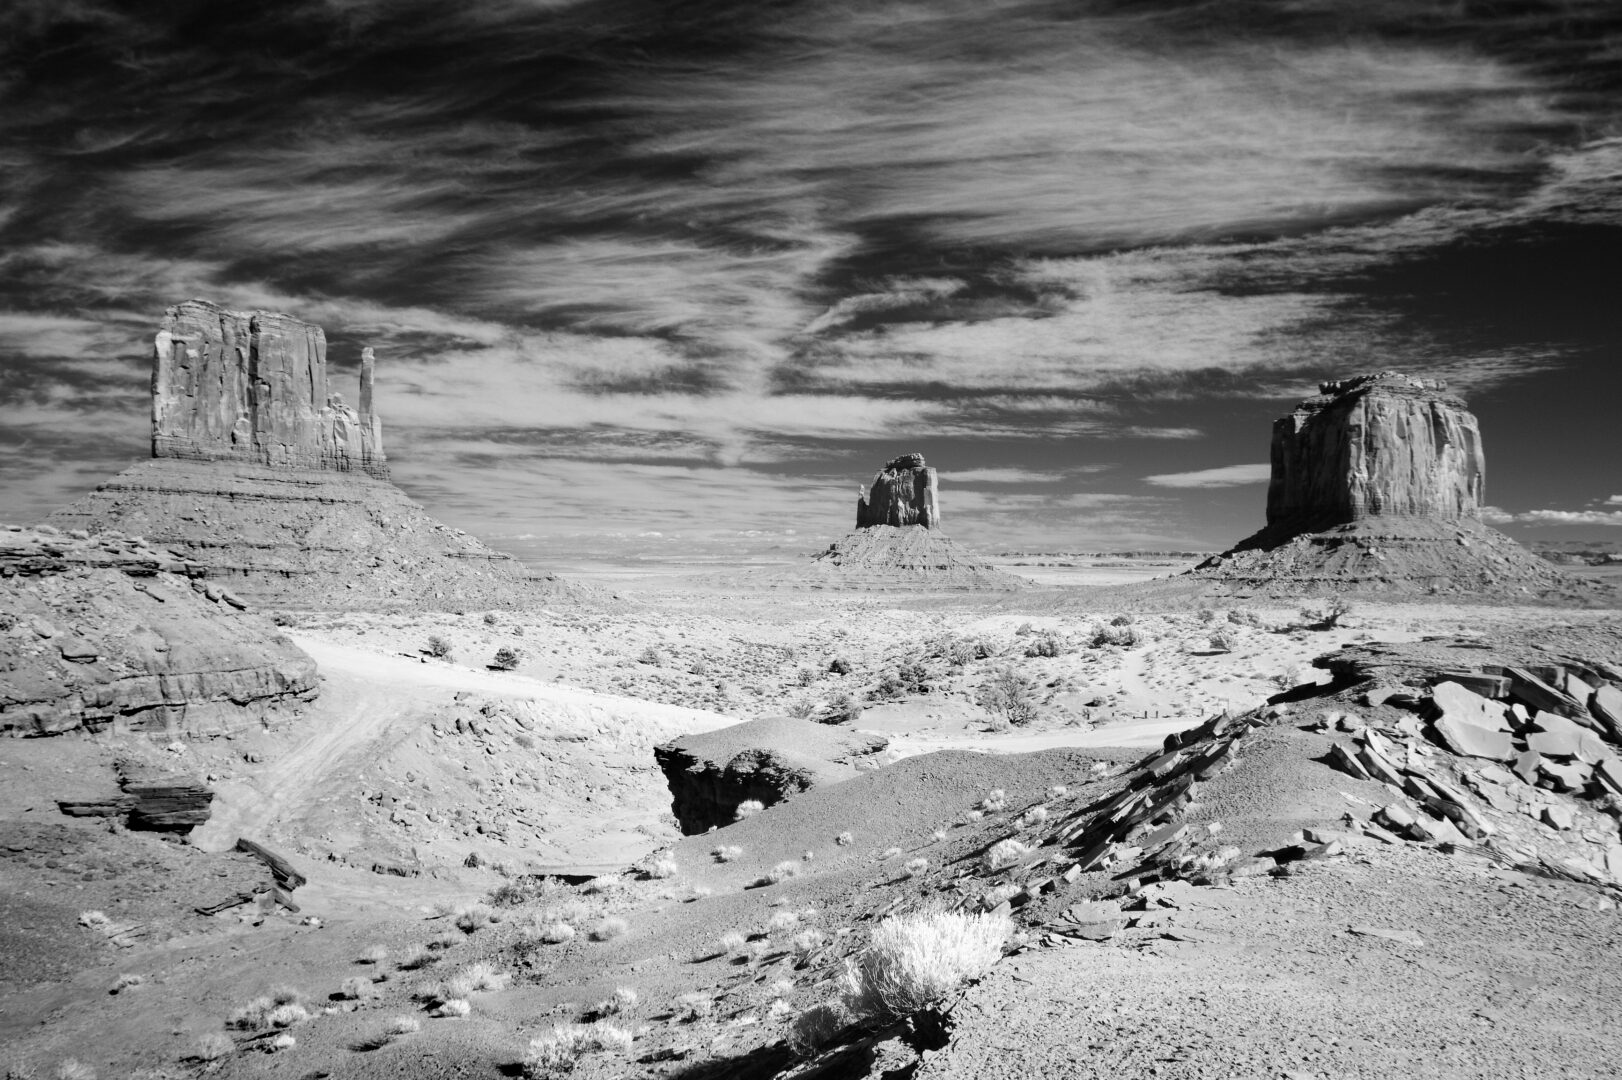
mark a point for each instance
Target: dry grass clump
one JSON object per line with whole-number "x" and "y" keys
{"x": 1057, "y": 791}
{"x": 727, "y": 852}
{"x": 995, "y": 802}
{"x": 280, "y": 1008}
{"x": 454, "y": 1008}
{"x": 415, "y": 957}
{"x": 890, "y": 853}
{"x": 94, "y": 920}
{"x": 375, "y": 955}
{"x": 734, "y": 943}
{"x": 214, "y": 1045}
{"x": 917, "y": 866}
{"x": 844, "y": 839}
{"x": 1036, "y": 815}
{"x": 609, "y": 929}
{"x": 403, "y": 1025}
{"x": 284, "y": 1041}
{"x": 125, "y": 981}
{"x": 971, "y": 816}
{"x": 807, "y": 942}
{"x": 817, "y": 1027}
{"x": 472, "y": 919}
{"x": 285, "y": 1016}
{"x": 784, "y": 870}
{"x": 1005, "y": 853}
{"x": 356, "y": 988}
{"x": 662, "y": 865}
{"x": 557, "y": 1054}
{"x": 748, "y": 808}
{"x": 914, "y": 960}
{"x": 783, "y": 920}
{"x": 694, "y": 1006}
{"x": 939, "y": 835}
{"x": 556, "y": 933}
{"x": 444, "y": 941}
{"x": 471, "y": 979}
{"x": 623, "y": 1000}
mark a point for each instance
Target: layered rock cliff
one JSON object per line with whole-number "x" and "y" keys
{"x": 1375, "y": 446}
{"x": 253, "y": 386}
{"x": 904, "y": 492}
{"x": 112, "y": 633}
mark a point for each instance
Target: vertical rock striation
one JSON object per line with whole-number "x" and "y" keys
{"x": 904, "y": 492}
{"x": 1375, "y": 446}
{"x": 236, "y": 386}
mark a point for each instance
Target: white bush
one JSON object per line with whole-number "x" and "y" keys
{"x": 913, "y": 960}
{"x": 1005, "y": 853}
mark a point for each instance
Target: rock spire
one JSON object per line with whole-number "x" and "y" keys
{"x": 904, "y": 492}
{"x": 252, "y": 386}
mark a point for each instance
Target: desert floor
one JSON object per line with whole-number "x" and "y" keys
{"x": 422, "y": 787}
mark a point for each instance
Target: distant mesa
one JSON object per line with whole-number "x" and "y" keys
{"x": 265, "y": 480}
{"x": 1378, "y": 482}
{"x": 904, "y": 492}
{"x": 897, "y": 544}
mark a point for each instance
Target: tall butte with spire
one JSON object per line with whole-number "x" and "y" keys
{"x": 1378, "y": 483}
{"x": 263, "y": 476}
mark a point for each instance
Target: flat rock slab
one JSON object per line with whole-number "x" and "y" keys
{"x": 1456, "y": 702}
{"x": 1469, "y": 739}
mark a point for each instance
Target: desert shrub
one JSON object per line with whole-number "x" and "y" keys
{"x": 1222, "y": 641}
{"x": 284, "y": 1041}
{"x": 806, "y": 676}
{"x": 913, "y": 960}
{"x": 1009, "y": 696}
{"x": 1046, "y": 643}
{"x": 844, "y": 707}
{"x": 1024, "y": 630}
{"x": 375, "y": 955}
{"x": 252, "y": 1016}
{"x": 817, "y": 1027}
{"x": 784, "y": 870}
{"x": 748, "y": 808}
{"x": 973, "y": 815}
{"x": 909, "y": 677}
{"x": 94, "y": 920}
{"x": 726, "y": 852}
{"x": 652, "y": 656}
{"x": 489, "y": 618}
{"x": 73, "y": 1069}
{"x": 609, "y": 929}
{"x": 472, "y": 919}
{"x": 782, "y": 920}
{"x": 734, "y": 943}
{"x": 1244, "y": 617}
{"x": 469, "y": 980}
{"x": 126, "y": 981}
{"x": 1005, "y": 853}
{"x": 1287, "y": 679}
{"x": 1328, "y": 613}
{"x": 917, "y": 866}
{"x": 844, "y": 839}
{"x": 890, "y": 853}
{"x": 662, "y": 865}
{"x": 802, "y": 708}
{"x": 415, "y": 957}
{"x": 214, "y": 1045}
{"x": 285, "y": 1016}
{"x": 694, "y": 1006}
{"x": 839, "y": 666}
{"x": 1125, "y": 637}
{"x": 1123, "y": 619}
{"x": 1036, "y": 815}
{"x": 1057, "y": 791}
{"x": 995, "y": 802}
{"x": 404, "y": 1025}
{"x": 438, "y": 648}
{"x": 455, "y": 1007}
{"x": 1207, "y": 615}
{"x": 508, "y": 894}
{"x": 355, "y": 988}
{"x": 506, "y": 659}
{"x": 556, "y": 933}
{"x": 806, "y": 942}
{"x": 623, "y": 1000}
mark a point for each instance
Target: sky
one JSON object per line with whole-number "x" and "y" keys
{"x": 646, "y": 272}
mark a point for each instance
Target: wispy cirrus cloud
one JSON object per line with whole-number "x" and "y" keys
{"x": 1223, "y": 476}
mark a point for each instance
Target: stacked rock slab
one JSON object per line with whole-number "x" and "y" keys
{"x": 904, "y": 492}
{"x": 267, "y": 483}
{"x": 110, "y": 633}
{"x": 1378, "y": 483}
{"x": 253, "y": 386}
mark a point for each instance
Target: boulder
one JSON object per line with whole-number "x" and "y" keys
{"x": 766, "y": 760}
{"x": 1606, "y": 706}
{"x": 1473, "y": 740}
{"x": 904, "y": 492}
{"x": 1451, "y": 701}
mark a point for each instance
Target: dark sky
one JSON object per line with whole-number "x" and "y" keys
{"x": 701, "y": 267}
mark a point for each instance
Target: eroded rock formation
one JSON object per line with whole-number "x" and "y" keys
{"x": 766, "y": 760}
{"x": 252, "y": 386}
{"x": 904, "y": 492}
{"x": 1374, "y": 446}
{"x": 109, "y": 632}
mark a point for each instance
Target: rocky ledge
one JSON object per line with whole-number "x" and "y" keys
{"x": 112, "y": 632}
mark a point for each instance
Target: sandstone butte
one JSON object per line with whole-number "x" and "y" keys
{"x": 1378, "y": 483}
{"x": 264, "y": 479}
{"x": 904, "y": 492}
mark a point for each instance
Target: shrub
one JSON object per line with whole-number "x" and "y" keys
{"x": 1124, "y": 636}
{"x": 438, "y": 648}
{"x": 474, "y": 977}
{"x": 727, "y": 852}
{"x": 1123, "y": 619}
{"x": 455, "y": 1007}
{"x": 506, "y": 659}
{"x": 214, "y": 1045}
{"x": 733, "y": 943}
{"x": 1207, "y": 615}
{"x": 284, "y": 1041}
{"x": 375, "y": 955}
{"x": 1287, "y": 679}
{"x": 844, "y": 839}
{"x": 662, "y": 865}
{"x": 938, "y": 834}
{"x": 489, "y": 618}
{"x": 802, "y": 708}
{"x": 1009, "y": 696}
{"x": 1057, "y": 791}
{"x": 556, "y": 933}
{"x": 1004, "y": 853}
{"x": 913, "y": 960}
{"x": 839, "y": 666}
{"x": 783, "y": 920}
{"x": 995, "y": 801}
{"x": 1244, "y": 617}
{"x": 748, "y": 808}
{"x": 404, "y": 1025}
{"x": 126, "y": 981}
{"x": 558, "y": 1053}
{"x": 817, "y": 1027}
{"x": 917, "y": 866}
{"x": 94, "y": 920}
{"x": 285, "y": 1016}
{"x": 252, "y": 1016}
{"x": 806, "y": 676}
{"x": 784, "y": 870}
{"x": 415, "y": 957}
{"x": 890, "y": 853}
{"x": 651, "y": 656}
{"x": 473, "y": 919}
{"x": 609, "y": 928}
{"x": 843, "y": 708}
{"x": 781, "y": 988}
{"x": 1034, "y": 816}
{"x": 1046, "y": 643}
{"x": 623, "y": 1000}
{"x": 355, "y": 988}
{"x": 1222, "y": 641}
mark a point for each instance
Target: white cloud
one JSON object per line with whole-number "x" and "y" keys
{"x": 1570, "y": 517}
{"x": 1225, "y": 476}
